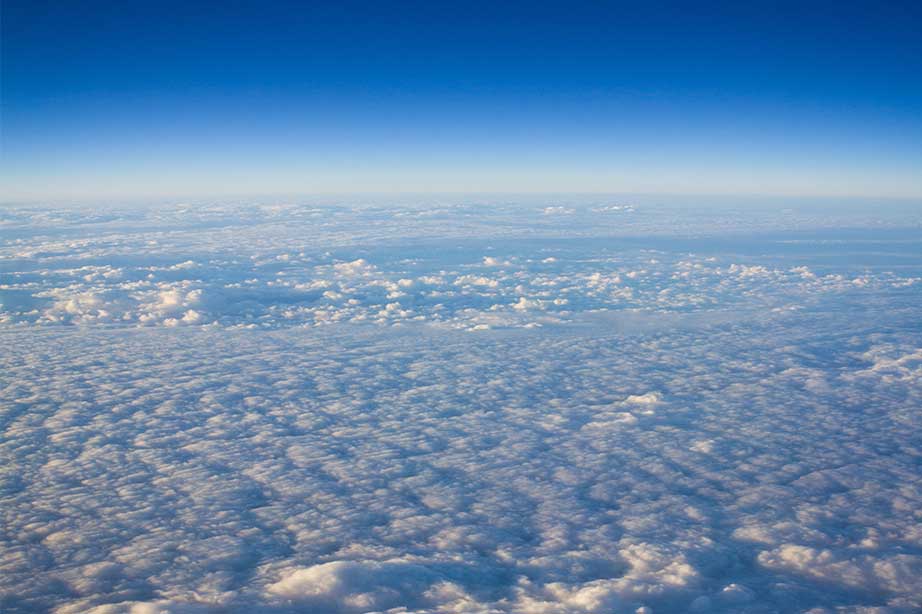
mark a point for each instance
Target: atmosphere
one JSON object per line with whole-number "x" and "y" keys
{"x": 148, "y": 100}
{"x": 460, "y": 308}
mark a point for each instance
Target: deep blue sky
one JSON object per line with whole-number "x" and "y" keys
{"x": 197, "y": 99}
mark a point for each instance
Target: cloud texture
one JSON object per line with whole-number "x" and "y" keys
{"x": 705, "y": 431}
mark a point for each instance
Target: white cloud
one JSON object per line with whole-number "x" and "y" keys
{"x": 353, "y": 414}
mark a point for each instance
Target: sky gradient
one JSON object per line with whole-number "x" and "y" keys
{"x": 197, "y": 100}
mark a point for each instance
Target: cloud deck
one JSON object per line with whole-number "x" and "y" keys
{"x": 627, "y": 425}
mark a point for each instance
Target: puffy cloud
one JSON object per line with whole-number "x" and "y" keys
{"x": 359, "y": 266}
{"x": 356, "y": 586}
{"x": 375, "y": 424}
{"x": 240, "y": 276}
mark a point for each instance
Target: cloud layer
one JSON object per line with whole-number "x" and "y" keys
{"x": 455, "y": 267}
{"x": 721, "y": 430}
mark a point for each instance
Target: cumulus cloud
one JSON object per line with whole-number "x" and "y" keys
{"x": 239, "y": 277}
{"x": 356, "y": 586}
{"x": 220, "y": 415}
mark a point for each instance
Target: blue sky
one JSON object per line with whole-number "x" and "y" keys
{"x": 177, "y": 99}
